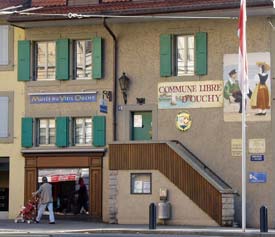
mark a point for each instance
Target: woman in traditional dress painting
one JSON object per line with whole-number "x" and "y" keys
{"x": 260, "y": 97}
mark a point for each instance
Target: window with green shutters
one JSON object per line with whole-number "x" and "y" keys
{"x": 62, "y": 131}
{"x": 24, "y": 57}
{"x": 99, "y": 131}
{"x": 27, "y": 132}
{"x": 52, "y": 59}
{"x": 182, "y": 55}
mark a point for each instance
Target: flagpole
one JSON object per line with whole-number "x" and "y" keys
{"x": 243, "y": 159}
{"x": 243, "y": 72}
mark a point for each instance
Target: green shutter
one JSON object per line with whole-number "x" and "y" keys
{"x": 97, "y": 61}
{"x": 166, "y": 55}
{"x": 26, "y": 132}
{"x": 201, "y": 53}
{"x": 24, "y": 57}
{"x": 62, "y": 59}
{"x": 99, "y": 131}
{"x": 62, "y": 131}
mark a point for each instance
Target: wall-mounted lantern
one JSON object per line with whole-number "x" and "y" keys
{"x": 124, "y": 85}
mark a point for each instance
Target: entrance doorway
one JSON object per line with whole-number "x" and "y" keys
{"x": 141, "y": 125}
{"x": 4, "y": 187}
{"x": 67, "y": 200}
{"x": 85, "y": 164}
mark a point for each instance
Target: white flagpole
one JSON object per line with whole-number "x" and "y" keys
{"x": 244, "y": 80}
{"x": 243, "y": 159}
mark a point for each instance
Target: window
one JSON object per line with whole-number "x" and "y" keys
{"x": 6, "y": 117}
{"x": 4, "y": 44}
{"x": 6, "y": 55}
{"x": 46, "y": 131}
{"x": 184, "y": 55}
{"x": 141, "y": 183}
{"x": 82, "y": 128}
{"x": 82, "y": 59}
{"x": 45, "y": 66}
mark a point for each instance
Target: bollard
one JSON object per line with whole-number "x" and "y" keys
{"x": 263, "y": 219}
{"x": 152, "y": 216}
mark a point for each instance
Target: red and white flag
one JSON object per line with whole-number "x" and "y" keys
{"x": 242, "y": 47}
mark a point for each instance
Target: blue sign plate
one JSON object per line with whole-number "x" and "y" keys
{"x": 62, "y": 98}
{"x": 103, "y": 109}
{"x": 257, "y": 177}
{"x": 257, "y": 157}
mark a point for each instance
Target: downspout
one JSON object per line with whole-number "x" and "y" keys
{"x": 115, "y": 70}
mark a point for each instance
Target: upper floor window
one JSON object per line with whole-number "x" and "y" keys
{"x": 52, "y": 60}
{"x": 45, "y": 65}
{"x": 82, "y": 59}
{"x": 6, "y": 117}
{"x": 82, "y": 131}
{"x": 46, "y": 131}
{"x": 6, "y": 53}
{"x": 4, "y": 44}
{"x": 184, "y": 55}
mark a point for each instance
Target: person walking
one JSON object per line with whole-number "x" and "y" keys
{"x": 82, "y": 196}
{"x": 45, "y": 200}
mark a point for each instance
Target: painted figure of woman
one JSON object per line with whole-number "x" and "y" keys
{"x": 260, "y": 98}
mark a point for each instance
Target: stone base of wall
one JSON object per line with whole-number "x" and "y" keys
{"x": 228, "y": 210}
{"x": 113, "y": 191}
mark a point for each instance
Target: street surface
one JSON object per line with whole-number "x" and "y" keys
{"x": 96, "y": 235}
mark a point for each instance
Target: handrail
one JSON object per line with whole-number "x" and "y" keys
{"x": 203, "y": 165}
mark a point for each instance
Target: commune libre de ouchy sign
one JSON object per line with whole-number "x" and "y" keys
{"x": 190, "y": 94}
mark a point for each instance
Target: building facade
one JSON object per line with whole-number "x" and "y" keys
{"x": 12, "y": 107}
{"x": 175, "y": 129}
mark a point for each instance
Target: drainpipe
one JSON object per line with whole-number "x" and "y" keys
{"x": 115, "y": 70}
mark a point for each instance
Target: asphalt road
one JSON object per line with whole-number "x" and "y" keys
{"x": 96, "y": 235}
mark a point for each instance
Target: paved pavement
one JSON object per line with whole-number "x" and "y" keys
{"x": 69, "y": 226}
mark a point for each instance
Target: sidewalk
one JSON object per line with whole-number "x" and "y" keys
{"x": 68, "y": 226}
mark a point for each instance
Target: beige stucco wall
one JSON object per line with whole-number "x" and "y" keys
{"x": 209, "y": 137}
{"x": 134, "y": 209}
{"x": 8, "y": 81}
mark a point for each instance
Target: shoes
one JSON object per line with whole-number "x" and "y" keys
{"x": 52, "y": 222}
{"x": 35, "y": 221}
{"x": 260, "y": 114}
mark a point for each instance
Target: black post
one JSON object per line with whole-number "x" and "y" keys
{"x": 263, "y": 219}
{"x": 152, "y": 216}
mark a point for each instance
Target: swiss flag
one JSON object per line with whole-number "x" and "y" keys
{"x": 242, "y": 47}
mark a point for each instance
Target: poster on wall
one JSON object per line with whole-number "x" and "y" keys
{"x": 259, "y": 84}
{"x": 190, "y": 94}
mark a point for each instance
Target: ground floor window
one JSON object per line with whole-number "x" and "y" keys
{"x": 4, "y": 184}
{"x": 141, "y": 183}
{"x": 70, "y": 189}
